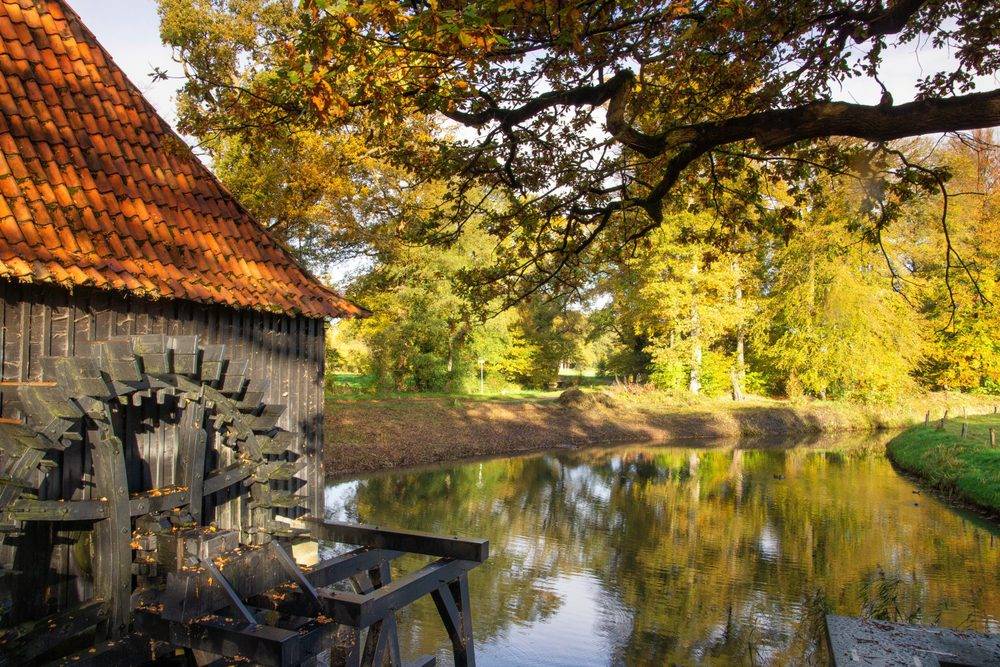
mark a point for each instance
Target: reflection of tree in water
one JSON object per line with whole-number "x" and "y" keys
{"x": 715, "y": 555}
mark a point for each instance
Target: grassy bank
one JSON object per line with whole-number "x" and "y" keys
{"x": 380, "y": 433}
{"x": 965, "y": 468}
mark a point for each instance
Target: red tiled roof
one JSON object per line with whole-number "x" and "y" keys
{"x": 96, "y": 189}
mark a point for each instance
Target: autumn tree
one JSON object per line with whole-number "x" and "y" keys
{"x": 830, "y": 324}
{"x": 964, "y": 350}
{"x": 588, "y": 120}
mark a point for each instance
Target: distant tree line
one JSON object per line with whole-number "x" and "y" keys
{"x": 818, "y": 312}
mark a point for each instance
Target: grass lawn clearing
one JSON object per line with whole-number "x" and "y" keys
{"x": 967, "y": 468}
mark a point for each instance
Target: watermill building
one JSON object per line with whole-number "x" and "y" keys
{"x": 110, "y": 226}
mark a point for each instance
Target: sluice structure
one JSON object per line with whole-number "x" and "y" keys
{"x": 161, "y": 401}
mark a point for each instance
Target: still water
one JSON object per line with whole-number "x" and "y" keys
{"x": 719, "y": 554}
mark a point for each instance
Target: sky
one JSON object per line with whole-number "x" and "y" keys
{"x": 130, "y": 31}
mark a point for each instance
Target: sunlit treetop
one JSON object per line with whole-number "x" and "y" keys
{"x": 572, "y": 128}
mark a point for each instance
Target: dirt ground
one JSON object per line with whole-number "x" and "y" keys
{"x": 369, "y": 435}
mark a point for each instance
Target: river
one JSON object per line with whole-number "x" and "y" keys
{"x": 721, "y": 553}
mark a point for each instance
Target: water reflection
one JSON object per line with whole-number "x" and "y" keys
{"x": 656, "y": 555}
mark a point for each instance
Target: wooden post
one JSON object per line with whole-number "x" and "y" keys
{"x": 993, "y": 438}
{"x": 965, "y": 429}
{"x": 112, "y": 536}
{"x": 452, "y": 601}
{"x": 191, "y": 440}
{"x": 944, "y": 418}
{"x": 927, "y": 418}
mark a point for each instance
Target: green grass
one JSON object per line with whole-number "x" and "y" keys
{"x": 352, "y": 386}
{"x": 966, "y": 468}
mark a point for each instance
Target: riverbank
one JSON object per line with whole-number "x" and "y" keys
{"x": 377, "y": 434}
{"x": 964, "y": 468}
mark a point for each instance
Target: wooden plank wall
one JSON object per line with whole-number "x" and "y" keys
{"x": 42, "y": 320}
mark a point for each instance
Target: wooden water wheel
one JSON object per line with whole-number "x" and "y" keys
{"x": 169, "y": 379}
{"x": 198, "y": 570}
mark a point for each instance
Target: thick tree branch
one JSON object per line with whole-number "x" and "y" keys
{"x": 577, "y": 97}
{"x": 771, "y": 129}
{"x": 775, "y": 129}
{"x": 888, "y": 21}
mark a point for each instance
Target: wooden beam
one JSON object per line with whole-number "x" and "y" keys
{"x": 27, "y": 383}
{"x": 383, "y": 636}
{"x": 260, "y": 644}
{"x": 133, "y": 649}
{"x": 341, "y": 567}
{"x": 112, "y": 536}
{"x": 295, "y": 574}
{"x": 191, "y": 442}
{"x": 429, "y": 544}
{"x": 156, "y": 501}
{"x": 236, "y": 602}
{"x": 362, "y": 611}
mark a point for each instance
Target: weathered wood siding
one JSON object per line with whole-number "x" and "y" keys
{"x": 39, "y": 320}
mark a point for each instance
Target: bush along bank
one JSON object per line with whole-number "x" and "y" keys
{"x": 958, "y": 457}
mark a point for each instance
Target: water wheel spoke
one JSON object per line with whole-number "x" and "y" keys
{"x": 280, "y": 470}
{"x": 25, "y": 509}
{"x": 51, "y": 413}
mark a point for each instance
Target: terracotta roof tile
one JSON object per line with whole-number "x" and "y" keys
{"x": 95, "y": 189}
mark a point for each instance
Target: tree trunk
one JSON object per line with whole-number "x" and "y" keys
{"x": 694, "y": 382}
{"x": 739, "y": 374}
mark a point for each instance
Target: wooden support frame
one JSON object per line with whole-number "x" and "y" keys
{"x": 236, "y": 602}
{"x": 382, "y": 640}
{"x": 192, "y": 600}
{"x": 260, "y": 644}
{"x": 452, "y": 601}
{"x": 190, "y": 594}
{"x": 363, "y": 610}
{"x": 146, "y": 502}
{"x": 429, "y": 544}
